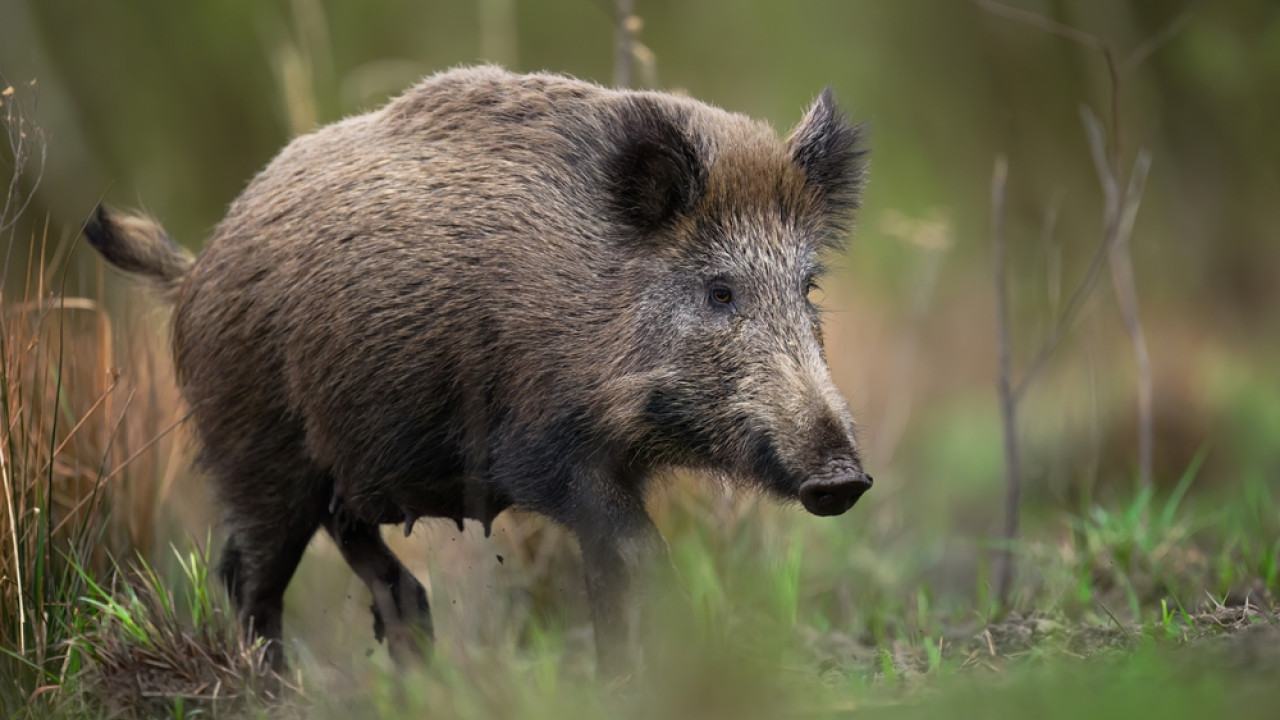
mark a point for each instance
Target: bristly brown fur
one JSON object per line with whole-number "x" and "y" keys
{"x": 507, "y": 290}
{"x": 833, "y": 157}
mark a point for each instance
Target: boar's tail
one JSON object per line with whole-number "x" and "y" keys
{"x": 137, "y": 244}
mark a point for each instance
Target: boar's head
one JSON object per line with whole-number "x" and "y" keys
{"x": 733, "y": 226}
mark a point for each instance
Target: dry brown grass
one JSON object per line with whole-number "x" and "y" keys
{"x": 87, "y": 453}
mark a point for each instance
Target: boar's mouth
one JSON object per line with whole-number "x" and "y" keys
{"x": 834, "y": 488}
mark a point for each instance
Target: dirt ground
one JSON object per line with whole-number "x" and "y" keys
{"x": 1244, "y": 637}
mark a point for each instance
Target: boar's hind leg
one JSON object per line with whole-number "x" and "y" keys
{"x": 400, "y": 610}
{"x": 259, "y": 559}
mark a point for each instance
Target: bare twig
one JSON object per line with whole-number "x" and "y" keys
{"x": 1135, "y": 58}
{"x": 1008, "y": 404}
{"x": 1118, "y": 215}
{"x": 1116, "y": 71}
{"x": 1122, "y": 280}
{"x": 1048, "y": 25}
{"x": 1117, "y": 138}
{"x": 1140, "y": 54}
{"x": 1093, "y": 130}
{"x": 1065, "y": 322}
{"x": 22, "y": 137}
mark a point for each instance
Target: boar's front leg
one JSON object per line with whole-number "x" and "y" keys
{"x": 623, "y": 555}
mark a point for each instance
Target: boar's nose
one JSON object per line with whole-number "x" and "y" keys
{"x": 834, "y": 490}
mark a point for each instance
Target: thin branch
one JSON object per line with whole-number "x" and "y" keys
{"x": 1065, "y": 322}
{"x": 17, "y": 126}
{"x": 1008, "y": 403}
{"x": 1048, "y": 25}
{"x": 1117, "y": 71}
{"x": 1122, "y": 280}
{"x": 1119, "y": 214}
{"x": 1148, "y": 47}
{"x": 1117, "y": 138}
{"x": 1135, "y": 58}
{"x": 147, "y": 446}
{"x": 1097, "y": 149}
{"x": 1133, "y": 195}
{"x": 1112, "y": 221}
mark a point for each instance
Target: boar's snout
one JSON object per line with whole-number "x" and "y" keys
{"x": 835, "y": 488}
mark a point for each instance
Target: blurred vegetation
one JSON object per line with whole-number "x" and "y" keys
{"x": 174, "y": 106}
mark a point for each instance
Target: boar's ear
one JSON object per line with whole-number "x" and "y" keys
{"x": 829, "y": 151}
{"x": 655, "y": 172}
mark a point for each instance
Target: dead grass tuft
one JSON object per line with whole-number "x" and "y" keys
{"x": 150, "y": 654}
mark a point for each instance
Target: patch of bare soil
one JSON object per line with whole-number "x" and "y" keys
{"x": 1244, "y": 638}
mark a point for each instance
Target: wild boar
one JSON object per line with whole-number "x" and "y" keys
{"x": 508, "y": 290}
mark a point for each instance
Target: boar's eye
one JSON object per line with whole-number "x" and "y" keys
{"x": 810, "y": 286}
{"x": 721, "y": 295}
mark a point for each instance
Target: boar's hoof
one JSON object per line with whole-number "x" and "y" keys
{"x": 835, "y": 492}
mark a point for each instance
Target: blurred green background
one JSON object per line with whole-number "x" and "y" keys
{"x": 173, "y": 106}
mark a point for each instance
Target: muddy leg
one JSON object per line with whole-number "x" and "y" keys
{"x": 400, "y": 610}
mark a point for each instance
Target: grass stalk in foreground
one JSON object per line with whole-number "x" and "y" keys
{"x": 78, "y": 472}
